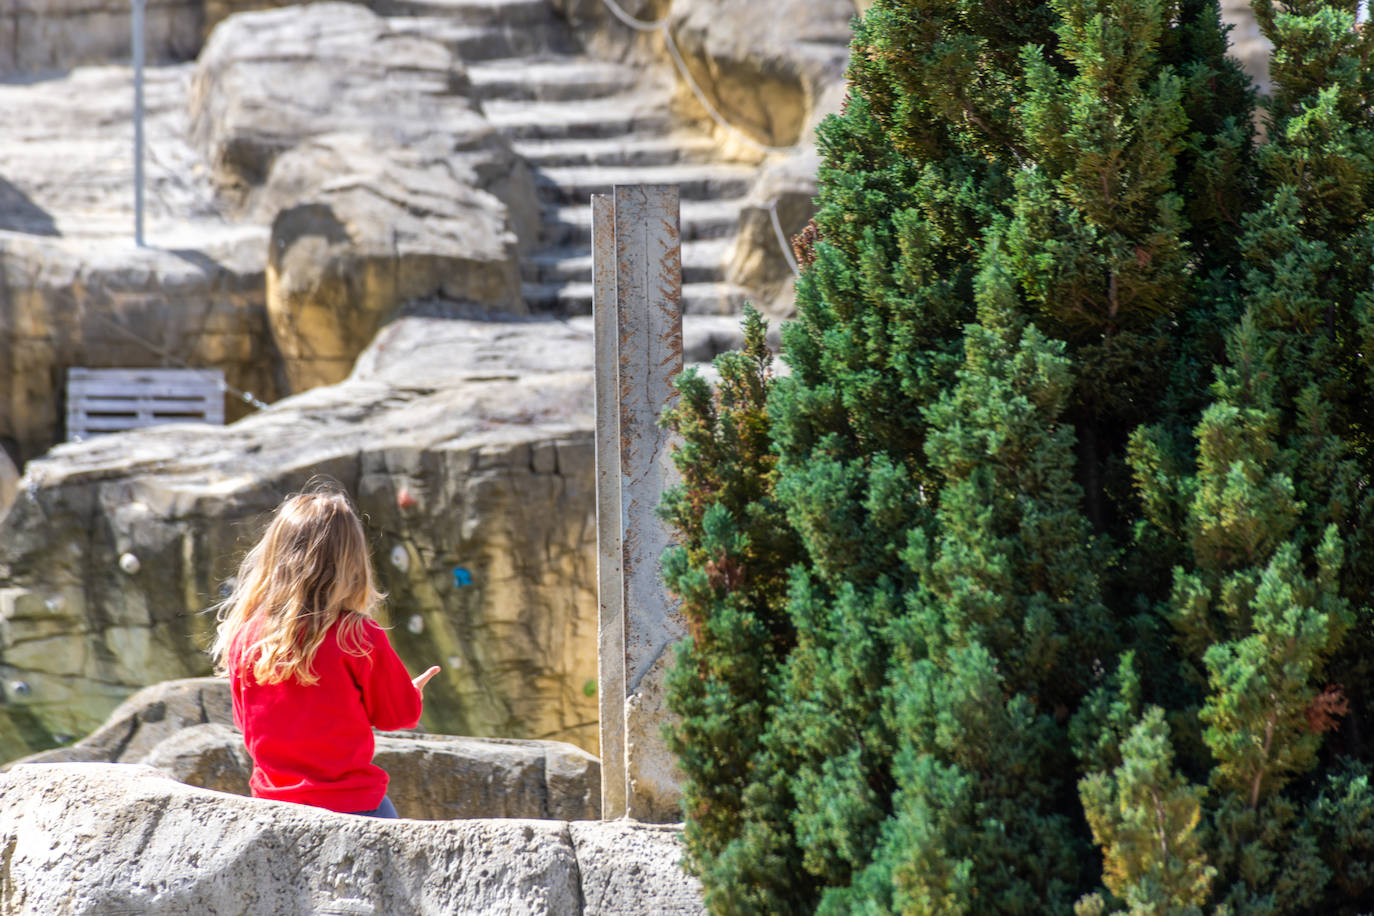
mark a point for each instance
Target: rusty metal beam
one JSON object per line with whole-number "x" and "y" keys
{"x": 637, "y": 304}
{"x": 648, "y": 293}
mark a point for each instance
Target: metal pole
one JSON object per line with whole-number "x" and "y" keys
{"x": 648, "y": 292}
{"x": 610, "y": 632}
{"x": 138, "y": 120}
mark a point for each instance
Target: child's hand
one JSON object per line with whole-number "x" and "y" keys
{"x": 423, "y": 679}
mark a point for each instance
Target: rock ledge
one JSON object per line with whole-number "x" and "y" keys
{"x": 87, "y": 838}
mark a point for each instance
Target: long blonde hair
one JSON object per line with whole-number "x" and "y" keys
{"x": 310, "y": 569}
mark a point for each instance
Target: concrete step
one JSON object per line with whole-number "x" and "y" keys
{"x": 476, "y": 43}
{"x": 695, "y": 181}
{"x": 557, "y": 79}
{"x": 614, "y": 116}
{"x": 570, "y": 225}
{"x": 702, "y": 262}
{"x": 617, "y": 151}
{"x": 470, "y": 12}
{"x": 576, "y": 298}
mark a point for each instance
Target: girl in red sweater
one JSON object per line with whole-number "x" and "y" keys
{"x": 311, "y": 672}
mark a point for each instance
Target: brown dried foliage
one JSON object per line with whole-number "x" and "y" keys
{"x": 1326, "y": 709}
{"x": 804, "y": 245}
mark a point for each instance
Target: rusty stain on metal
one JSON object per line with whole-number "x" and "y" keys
{"x": 648, "y": 300}
{"x": 637, "y": 299}
{"x": 610, "y": 620}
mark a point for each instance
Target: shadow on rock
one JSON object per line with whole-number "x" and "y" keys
{"x": 20, "y": 214}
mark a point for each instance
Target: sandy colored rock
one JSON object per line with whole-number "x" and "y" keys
{"x": 383, "y": 183}
{"x": 414, "y": 192}
{"x": 786, "y": 187}
{"x": 765, "y": 66}
{"x": 110, "y": 838}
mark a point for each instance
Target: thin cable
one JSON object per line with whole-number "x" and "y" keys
{"x": 245, "y": 396}
{"x": 632, "y": 22}
{"x": 782, "y": 238}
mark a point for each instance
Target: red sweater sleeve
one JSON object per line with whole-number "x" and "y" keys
{"x": 389, "y": 695}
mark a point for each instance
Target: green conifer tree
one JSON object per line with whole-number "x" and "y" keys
{"x": 1058, "y": 536}
{"x": 1001, "y": 630}
{"x": 730, "y": 573}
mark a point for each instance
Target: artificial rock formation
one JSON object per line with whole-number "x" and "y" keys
{"x": 252, "y": 199}
{"x": 382, "y": 181}
{"x": 784, "y": 190}
{"x": 766, "y": 66}
{"x": 185, "y": 730}
{"x": 771, "y": 72}
{"x": 146, "y": 720}
{"x": 468, "y": 447}
{"x": 443, "y": 148}
{"x": 763, "y": 67}
{"x": 75, "y": 290}
{"x": 316, "y": 169}
{"x": 110, "y": 838}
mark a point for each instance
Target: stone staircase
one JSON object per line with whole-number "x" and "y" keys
{"x": 584, "y": 125}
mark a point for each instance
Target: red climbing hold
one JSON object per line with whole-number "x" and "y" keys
{"x": 404, "y": 499}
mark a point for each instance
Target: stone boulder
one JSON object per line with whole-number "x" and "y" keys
{"x": 108, "y": 838}
{"x": 146, "y": 720}
{"x": 433, "y": 777}
{"x": 468, "y": 447}
{"x": 185, "y": 729}
{"x": 785, "y": 190}
{"x": 381, "y": 179}
{"x": 210, "y": 756}
{"x": 765, "y": 67}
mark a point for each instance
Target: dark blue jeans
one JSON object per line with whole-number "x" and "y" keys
{"x": 385, "y": 809}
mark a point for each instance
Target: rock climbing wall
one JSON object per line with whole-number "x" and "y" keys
{"x": 468, "y": 447}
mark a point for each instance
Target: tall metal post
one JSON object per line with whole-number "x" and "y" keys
{"x": 645, "y": 247}
{"x": 610, "y": 631}
{"x": 138, "y": 119}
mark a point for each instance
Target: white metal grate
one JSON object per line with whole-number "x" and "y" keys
{"x": 109, "y": 400}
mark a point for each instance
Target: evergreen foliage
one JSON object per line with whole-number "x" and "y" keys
{"x": 1040, "y": 584}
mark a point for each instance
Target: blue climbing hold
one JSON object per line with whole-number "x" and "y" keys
{"x": 461, "y": 577}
